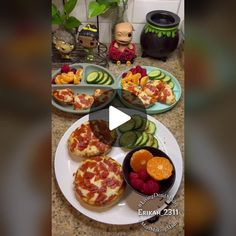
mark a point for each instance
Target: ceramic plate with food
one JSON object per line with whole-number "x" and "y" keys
{"x": 82, "y": 88}
{"x": 124, "y": 210}
{"x": 158, "y": 90}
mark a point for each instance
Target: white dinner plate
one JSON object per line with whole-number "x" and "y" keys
{"x": 126, "y": 210}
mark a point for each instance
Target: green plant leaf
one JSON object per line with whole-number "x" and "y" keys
{"x": 54, "y": 10}
{"x": 69, "y": 6}
{"x": 95, "y": 9}
{"x": 57, "y": 19}
{"x": 106, "y": 2}
{"x": 72, "y": 22}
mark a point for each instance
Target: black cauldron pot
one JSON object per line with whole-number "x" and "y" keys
{"x": 160, "y": 35}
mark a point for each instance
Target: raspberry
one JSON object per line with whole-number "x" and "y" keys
{"x": 65, "y": 68}
{"x": 133, "y": 175}
{"x": 142, "y": 174}
{"x": 53, "y": 80}
{"x": 123, "y": 75}
{"x": 73, "y": 70}
{"x": 144, "y": 72}
{"x": 137, "y": 184}
{"x": 139, "y": 69}
{"x": 133, "y": 70}
{"x": 151, "y": 187}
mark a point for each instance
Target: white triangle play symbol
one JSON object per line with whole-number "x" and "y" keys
{"x": 117, "y": 117}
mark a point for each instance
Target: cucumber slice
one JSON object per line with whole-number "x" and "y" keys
{"x": 154, "y": 73}
{"x": 167, "y": 79}
{"x": 151, "y": 128}
{"x": 144, "y": 139}
{"x": 109, "y": 81}
{"x": 171, "y": 84}
{"x": 143, "y": 127}
{"x": 150, "y": 140}
{"x": 138, "y": 121}
{"x": 104, "y": 79}
{"x": 92, "y": 77}
{"x": 162, "y": 76}
{"x": 128, "y": 139}
{"x": 147, "y": 124}
{"x": 129, "y": 125}
{"x": 100, "y": 77}
{"x": 139, "y": 138}
{"x": 155, "y": 143}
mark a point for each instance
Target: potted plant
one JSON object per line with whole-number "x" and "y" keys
{"x": 64, "y": 36}
{"x": 99, "y": 7}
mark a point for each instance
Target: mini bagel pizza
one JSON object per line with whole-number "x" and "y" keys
{"x": 63, "y": 96}
{"x": 83, "y": 101}
{"x": 92, "y": 138}
{"x": 99, "y": 181}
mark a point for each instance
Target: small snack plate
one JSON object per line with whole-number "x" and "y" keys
{"x": 157, "y": 107}
{"x": 86, "y": 88}
{"x": 126, "y": 210}
{"x": 87, "y": 69}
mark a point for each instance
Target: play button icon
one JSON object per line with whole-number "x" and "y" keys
{"x": 117, "y": 117}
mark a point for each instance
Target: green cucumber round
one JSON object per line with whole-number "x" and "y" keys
{"x": 162, "y": 76}
{"x": 92, "y": 77}
{"x": 155, "y": 143}
{"x": 167, "y": 79}
{"x": 104, "y": 79}
{"x": 128, "y": 139}
{"x": 151, "y": 128}
{"x": 138, "y": 121}
{"x": 153, "y": 74}
{"x": 127, "y": 126}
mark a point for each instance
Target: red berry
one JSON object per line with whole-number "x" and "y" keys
{"x": 142, "y": 174}
{"x": 144, "y": 71}
{"x": 73, "y": 70}
{"x": 151, "y": 187}
{"x": 133, "y": 71}
{"x": 133, "y": 175}
{"x": 124, "y": 74}
{"x": 65, "y": 68}
{"x": 137, "y": 184}
{"x": 53, "y": 80}
{"x": 139, "y": 69}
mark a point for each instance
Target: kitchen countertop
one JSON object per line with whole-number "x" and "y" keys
{"x": 66, "y": 221}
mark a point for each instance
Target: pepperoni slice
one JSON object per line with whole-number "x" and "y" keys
{"x": 101, "y": 197}
{"x": 104, "y": 174}
{"x": 88, "y": 175}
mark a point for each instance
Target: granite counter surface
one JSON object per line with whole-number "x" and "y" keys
{"x": 66, "y": 221}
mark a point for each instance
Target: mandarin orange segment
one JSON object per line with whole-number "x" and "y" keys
{"x": 135, "y": 78}
{"x": 159, "y": 168}
{"x": 143, "y": 81}
{"x": 139, "y": 159}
